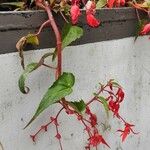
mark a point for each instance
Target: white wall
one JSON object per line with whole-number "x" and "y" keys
{"x": 123, "y": 60}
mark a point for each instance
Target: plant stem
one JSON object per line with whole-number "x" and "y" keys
{"x": 58, "y": 38}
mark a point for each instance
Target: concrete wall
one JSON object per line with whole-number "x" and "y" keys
{"x": 123, "y": 60}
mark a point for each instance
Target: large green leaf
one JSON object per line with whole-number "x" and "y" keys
{"x": 69, "y": 34}
{"x": 31, "y": 67}
{"x": 79, "y": 106}
{"x": 60, "y": 88}
{"x": 105, "y": 104}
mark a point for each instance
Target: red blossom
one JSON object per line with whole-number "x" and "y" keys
{"x": 32, "y": 137}
{"x": 116, "y": 3}
{"x": 114, "y": 107}
{"x": 58, "y": 136}
{"x": 75, "y": 13}
{"x": 127, "y": 130}
{"x": 88, "y": 110}
{"x": 44, "y": 128}
{"x": 97, "y": 139}
{"x": 90, "y": 11}
{"x": 93, "y": 119}
{"x": 146, "y": 29}
{"x": 92, "y": 21}
{"x": 110, "y": 3}
{"x": 120, "y": 95}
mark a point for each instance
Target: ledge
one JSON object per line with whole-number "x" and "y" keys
{"x": 116, "y": 23}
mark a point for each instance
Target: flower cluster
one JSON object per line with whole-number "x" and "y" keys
{"x": 90, "y": 12}
{"x": 114, "y": 95}
{"x": 110, "y": 95}
{"x": 115, "y": 3}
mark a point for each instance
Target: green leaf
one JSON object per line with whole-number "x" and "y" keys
{"x": 116, "y": 84}
{"x": 101, "y": 4}
{"x": 60, "y": 88}
{"x": 32, "y": 39}
{"x": 105, "y": 104}
{"x": 70, "y": 33}
{"x": 78, "y": 106}
{"x": 21, "y": 83}
{"x": 31, "y": 67}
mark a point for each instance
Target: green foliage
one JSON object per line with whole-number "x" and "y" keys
{"x": 78, "y": 106}
{"x": 101, "y": 4}
{"x": 70, "y": 33}
{"x": 105, "y": 104}
{"x": 60, "y": 88}
{"x": 31, "y": 67}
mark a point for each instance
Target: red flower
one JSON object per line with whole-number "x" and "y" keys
{"x": 114, "y": 107}
{"x": 116, "y": 3}
{"x": 58, "y": 136}
{"x": 75, "y": 13}
{"x": 90, "y": 11}
{"x": 111, "y": 3}
{"x": 127, "y": 130}
{"x": 120, "y": 3}
{"x": 146, "y": 29}
{"x": 120, "y": 95}
{"x": 88, "y": 110}
{"x": 97, "y": 139}
{"x": 92, "y": 21}
{"x": 93, "y": 119}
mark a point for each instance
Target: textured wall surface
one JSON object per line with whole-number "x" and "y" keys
{"x": 123, "y": 60}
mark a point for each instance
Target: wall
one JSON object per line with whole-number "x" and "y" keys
{"x": 123, "y": 60}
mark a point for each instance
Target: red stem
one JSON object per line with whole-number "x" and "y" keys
{"x": 58, "y": 38}
{"x": 42, "y": 26}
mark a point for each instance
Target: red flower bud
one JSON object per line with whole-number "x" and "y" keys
{"x": 58, "y": 136}
{"x": 75, "y": 13}
{"x": 92, "y": 21}
{"x": 146, "y": 29}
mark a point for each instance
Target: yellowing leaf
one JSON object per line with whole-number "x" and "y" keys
{"x": 32, "y": 39}
{"x": 101, "y": 3}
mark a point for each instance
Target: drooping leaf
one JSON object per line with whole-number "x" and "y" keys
{"x": 31, "y": 67}
{"x": 29, "y": 39}
{"x": 101, "y": 4}
{"x": 20, "y": 46}
{"x": 15, "y": 4}
{"x": 79, "y": 106}
{"x": 60, "y": 88}
{"x": 105, "y": 104}
{"x": 70, "y": 33}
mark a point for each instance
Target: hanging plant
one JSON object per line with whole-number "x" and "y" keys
{"x": 109, "y": 95}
